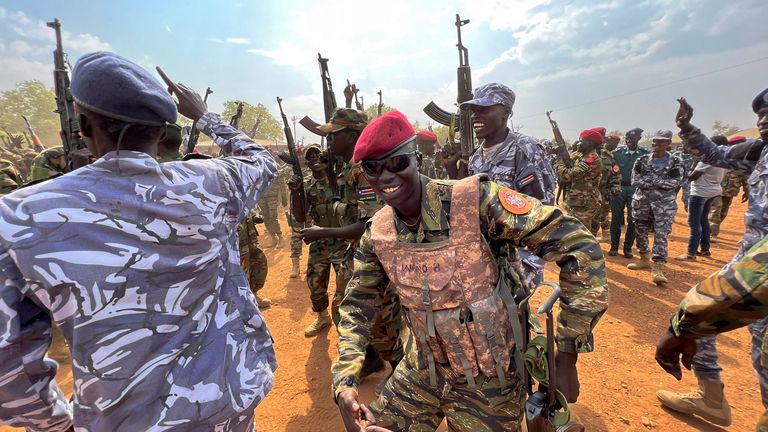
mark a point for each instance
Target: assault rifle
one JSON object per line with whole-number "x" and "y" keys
{"x": 379, "y": 107}
{"x": 329, "y": 104}
{"x": 358, "y": 103}
{"x": 562, "y": 152}
{"x": 301, "y": 213}
{"x": 194, "y": 134}
{"x": 36, "y": 143}
{"x": 65, "y": 107}
{"x": 238, "y": 114}
{"x": 463, "y": 118}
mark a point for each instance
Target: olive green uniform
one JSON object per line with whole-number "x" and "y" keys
{"x": 584, "y": 199}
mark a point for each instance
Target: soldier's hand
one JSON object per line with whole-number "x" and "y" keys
{"x": 684, "y": 115}
{"x": 349, "y": 93}
{"x": 673, "y": 349}
{"x": 294, "y": 183}
{"x": 311, "y": 234}
{"x": 567, "y": 375}
{"x": 190, "y": 103}
{"x": 352, "y": 411}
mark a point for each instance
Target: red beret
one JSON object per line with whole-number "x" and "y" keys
{"x": 737, "y": 139}
{"x": 427, "y": 136}
{"x": 600, "y": 130}
{"x": 382, "y": 135}
{"x": 592, "y": 134}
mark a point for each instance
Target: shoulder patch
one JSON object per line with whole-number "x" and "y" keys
{"x": 366, "y": 193}
{"x": 514, "y": 202}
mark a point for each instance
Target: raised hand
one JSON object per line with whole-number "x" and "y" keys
{"x": 190, "y": 104}
{"x": 684, "y": 114}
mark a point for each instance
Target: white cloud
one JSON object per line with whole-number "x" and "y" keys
{"x": 168, "y": 28}
{"x": 237, "y": 40}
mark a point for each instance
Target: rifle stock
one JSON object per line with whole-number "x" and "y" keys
{"x": 301, "y": 213}
{"x": 65, "y": 106}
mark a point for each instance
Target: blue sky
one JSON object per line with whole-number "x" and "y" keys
{"x": 560, "y": 55}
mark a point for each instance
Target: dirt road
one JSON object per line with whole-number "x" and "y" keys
{"x": 618, "y": 380}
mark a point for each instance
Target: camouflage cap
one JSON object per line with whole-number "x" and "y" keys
{"x": 662, "y": 135}
{"x": 493, "y": 94}
{"x": 345, "y": 118}
{"x": 312, "y": 147}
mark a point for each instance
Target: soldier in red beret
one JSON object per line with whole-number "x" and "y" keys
{"x": 583, "y": 199}
{"x": 425, "y": 143}
{"x": 439, "y": 242}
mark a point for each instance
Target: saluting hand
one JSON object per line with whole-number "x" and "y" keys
{"x": 684, "y": 114}
{"x": 190, "y": 104}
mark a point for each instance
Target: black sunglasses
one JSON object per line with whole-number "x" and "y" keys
{"x": 393, "y": 164}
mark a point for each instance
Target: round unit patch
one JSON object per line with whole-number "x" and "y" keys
{"x": 514, "y": 202}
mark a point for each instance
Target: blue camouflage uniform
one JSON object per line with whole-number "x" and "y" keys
{"x": 137, "y": 262}
{"x": 756, "y": 223}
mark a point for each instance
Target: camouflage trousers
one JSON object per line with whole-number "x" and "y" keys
{"x": 269, "y": 210}
{"x": 296, "y": 243}
{"x": 718, "y": 210}
{"x": 656, "y": 215}
{"x": 762, "y": 423}
{"x": 254, "y": 262}
{"x": 705, "y": 364}
{"x": 602, "y": 220}
{"x": 324, "y": 254}
{"x": 409, "y": 403}
{"x": 388, "y": 321}
{"x": 588, "y": 215}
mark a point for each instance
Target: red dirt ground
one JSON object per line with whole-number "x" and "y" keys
{"x": 618, "y": 380}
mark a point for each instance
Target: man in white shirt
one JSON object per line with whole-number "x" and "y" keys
{"x": 705, "y": 186}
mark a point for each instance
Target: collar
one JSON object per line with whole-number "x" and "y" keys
{"x": 434, "y": 194}
{"x": 125, "y": 162}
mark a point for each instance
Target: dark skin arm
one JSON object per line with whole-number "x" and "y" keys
{"x": 348, "y": 232}
{"x": 695, "y": 175}
{"x": 671, "y": 350}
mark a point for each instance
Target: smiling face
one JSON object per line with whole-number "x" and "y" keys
{"x": 317, "y": 161}
{"x": 631, "y": 141}
{"x": 397, "y": 182}
{"x": 489, "y": 121}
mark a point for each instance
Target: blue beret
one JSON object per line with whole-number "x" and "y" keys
{"x": 110, "y": 85}
{"x": 635, "y": 131}
{"x": 761, "y": 101}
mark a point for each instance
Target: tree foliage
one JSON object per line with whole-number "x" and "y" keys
{"x": 36, "y": 101}
{"x": 725, "y": 129}
{"x": 269, "y": 127}
{"x": 373, "y": 110}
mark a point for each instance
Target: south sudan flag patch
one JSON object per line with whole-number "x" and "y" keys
{"x": 366, "y": 194}
{"x": 526, "y": 181}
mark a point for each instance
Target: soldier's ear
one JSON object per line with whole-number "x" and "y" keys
{"x": 85, "y": 126}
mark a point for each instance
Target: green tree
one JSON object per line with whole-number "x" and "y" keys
{"x": 722, "y": 128}
{"x": 269, "y": 127}
{"x": 373, "y": 110}
{"x": 36, "y": 101}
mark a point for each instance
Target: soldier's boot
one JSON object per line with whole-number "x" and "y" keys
{"x": 264, "y": 303}
{"x": 707, "y": 402}
{"x": 657, "y": 273}
{"x": 294, "y": 268}
{"x": 322, "y": 320}
{"x": 644, "y": 263}
{"x": 373, "y": 362}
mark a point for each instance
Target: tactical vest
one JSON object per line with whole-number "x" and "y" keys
{"x": 450, "y": 290}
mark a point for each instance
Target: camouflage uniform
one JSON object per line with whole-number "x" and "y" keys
{"x": 252, "y": 257}
{"x": 9, "y": 177}
{"x": 689, "y": 162}
{"x": 625, "y": 159}
{"x": 733, "y": 182}
{"x": 137, "y": 263}
{"x": 729, "y": 299}
{"x": 428, "y": 166}
{"x": 270, "y": 205}
{"x": 43, "y": 166}
{"x": 362, "y": 203}
{"x": 584, "y": 199}
{"x": 296, "y": 242}
{"x": 325, "y": 211}
{"x": 408, "y": 401}
{"x": 610, "y": 187}
{"x": 755, "y": 221}
{"x": 520, "y": 165}
{"x": 654, "y": 204}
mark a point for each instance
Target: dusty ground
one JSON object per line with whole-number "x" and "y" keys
{"x": 618, "y": 380}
